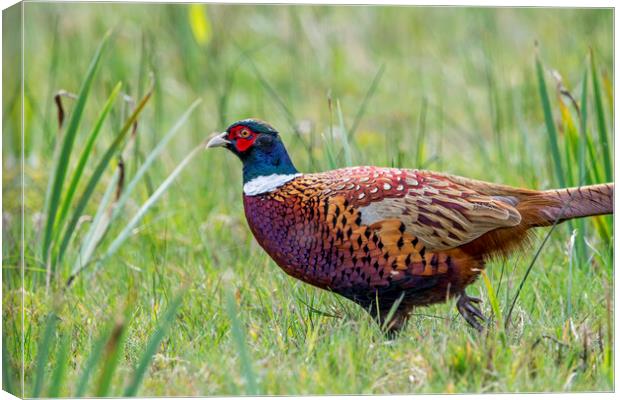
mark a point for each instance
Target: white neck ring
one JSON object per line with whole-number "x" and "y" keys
{"x": 267, "y": 183}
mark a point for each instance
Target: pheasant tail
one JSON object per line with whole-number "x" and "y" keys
{"x": 539, "y": 208}
{"x": 563, "y": 204}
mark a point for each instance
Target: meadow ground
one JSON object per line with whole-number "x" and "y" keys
{"x": 189, "y": 304}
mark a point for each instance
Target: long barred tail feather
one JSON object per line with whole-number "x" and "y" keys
{"x": 541, "y": 208}
{"x": 564, "y": 204}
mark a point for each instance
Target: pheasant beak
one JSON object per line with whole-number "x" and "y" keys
{"x": 218, "y": 140}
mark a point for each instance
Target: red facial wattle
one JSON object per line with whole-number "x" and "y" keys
{"x": 242, "y": 137}
{"x": 244, "y": 144}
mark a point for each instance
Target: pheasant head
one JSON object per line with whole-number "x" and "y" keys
{"x": 258, "y": 146}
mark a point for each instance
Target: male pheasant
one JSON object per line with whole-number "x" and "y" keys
{"x": 387, "y": 236}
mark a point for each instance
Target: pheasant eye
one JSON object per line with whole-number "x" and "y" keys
{"x": 244, "y": 133}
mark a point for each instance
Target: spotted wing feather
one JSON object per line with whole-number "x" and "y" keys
{"x": 441, "y": 212}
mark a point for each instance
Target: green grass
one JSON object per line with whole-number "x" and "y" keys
{"x": 170, "y": 294}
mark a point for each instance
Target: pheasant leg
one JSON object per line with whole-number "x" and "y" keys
{"x": 467, "y": 307}
{"x": 392, "y": 326}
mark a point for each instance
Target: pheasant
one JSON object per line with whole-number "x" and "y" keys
{"x": 389, "y": 238}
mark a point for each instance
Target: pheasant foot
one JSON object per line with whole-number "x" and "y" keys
{"x": 467, "y": 307}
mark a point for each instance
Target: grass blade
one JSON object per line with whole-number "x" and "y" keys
{"x": 329, "y": 138}
{"x": 91, "y": 362}
{"x": 552, "y": 133}
{"x": 492, "y": 296}
{"x": 285, "y": 109}
{"x": 600, "y": 119}
{"x": 99, "y": 224}
{"x": 331, "y": 158}
{"x": 571, "y": 136}
{"x": 344, "y": 136}
{"x": 58, "y": 376}
{"x": 151, "y": 158}
{"x": 362, "y": 110}
{"x": 420, "y": 147}
{"x": 571, "y": 248}
{"x": 388, "y": 319}
{"x": 67, "y": 145}
{"x": 583, "y": 120}
{"x": 529, "y": 268}
{"x": 112, "y": 353}
{"x": 95, "y": 178}
{"x": 149, "y": 203}
{"x": 593, "y": 170}
{"x": 580, "y": 246}
{"x": 242, "y": 348}
{"x": 97, "y": 228}
{"x": 75, "y": 179}
{"x": 42, "y": 353}
{"x": 151, "y": 347}
{"x": 7, "y": 376}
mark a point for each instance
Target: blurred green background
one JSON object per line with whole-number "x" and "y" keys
{"x": 444, "y": 88}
